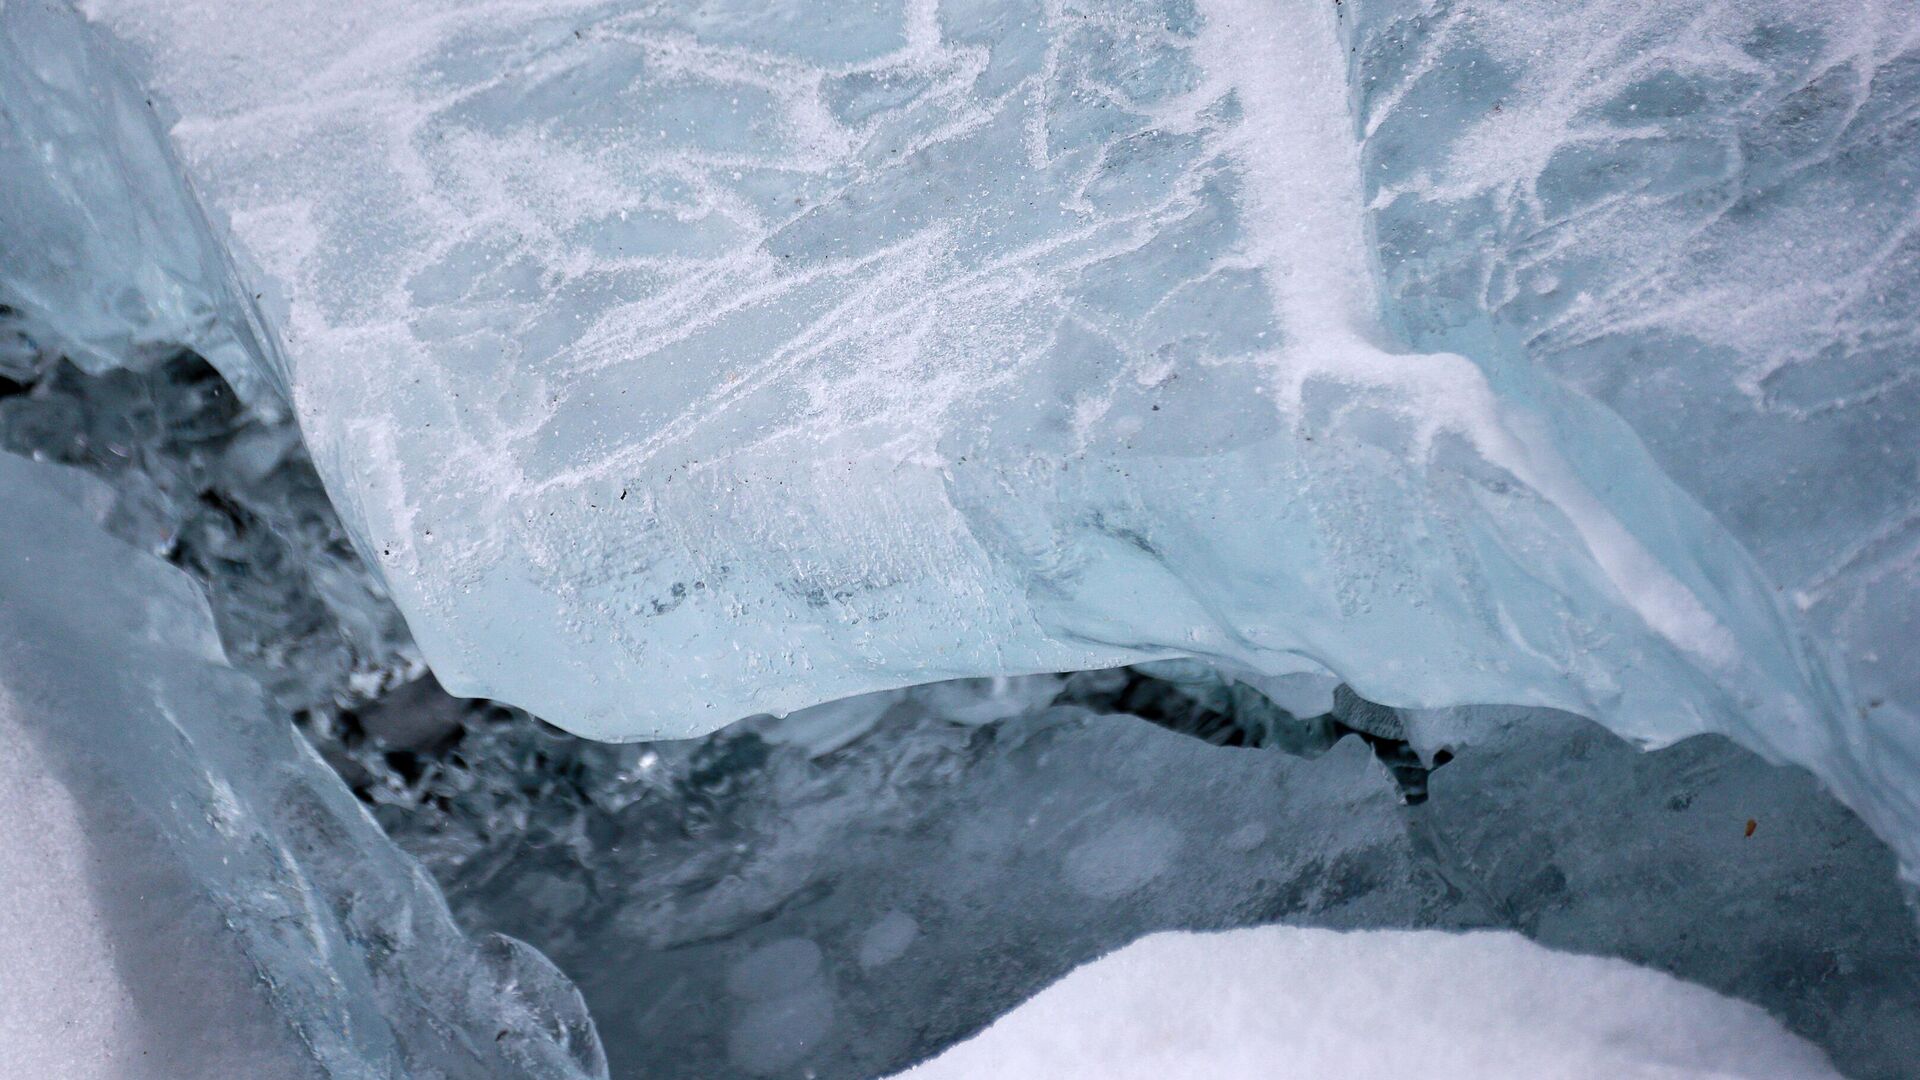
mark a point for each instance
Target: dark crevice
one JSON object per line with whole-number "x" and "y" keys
{"x": 228, "y": 496}
{"x": 1233, "y": 714}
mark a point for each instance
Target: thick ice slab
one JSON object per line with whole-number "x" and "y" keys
{"x": 1706, "y": 216}
{"x": 680, "y": 362}
{"x": 225, "y": 907}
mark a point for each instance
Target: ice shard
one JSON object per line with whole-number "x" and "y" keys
{"x": 224, "y": 906}
{"x": 854, "y": 887}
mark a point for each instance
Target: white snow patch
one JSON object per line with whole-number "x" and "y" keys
{"x": 1288, "y": 1002}
{"x": 64, "y": 1011}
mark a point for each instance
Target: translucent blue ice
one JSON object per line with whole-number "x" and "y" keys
{"x": 675, "y": 362}
{"x": 236, "y": 912}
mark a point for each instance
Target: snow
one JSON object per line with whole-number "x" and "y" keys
{"x": 1285, "y": 1002}
{"x": 63, "y": 1010}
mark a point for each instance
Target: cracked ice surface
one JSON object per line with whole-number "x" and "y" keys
{"x": 681, "y": 361}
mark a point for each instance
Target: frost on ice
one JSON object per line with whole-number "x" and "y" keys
{"x": 679, "y": 362}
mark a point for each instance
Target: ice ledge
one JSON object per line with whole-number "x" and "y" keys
{"x": 977, "y": 340}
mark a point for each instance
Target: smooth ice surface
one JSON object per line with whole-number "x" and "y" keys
{"x": 110, "y": 259}
{"x": 847, "y": 890}
{"x": 217, "y": 893}
{"x": 678, "y": 362}
{"x": 1281, "y": 1001}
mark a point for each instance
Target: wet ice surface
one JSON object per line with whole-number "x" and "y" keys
{"x": 758, "y": 904}
{"x": 953, "y": 868}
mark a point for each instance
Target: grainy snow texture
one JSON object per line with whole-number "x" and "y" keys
{"x": 1285, "y": 1002}
{"x": 64, "y": 1011}
{"x": 676, "y": 362}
